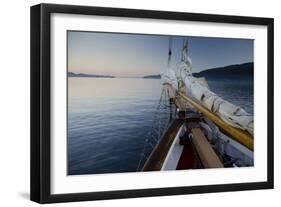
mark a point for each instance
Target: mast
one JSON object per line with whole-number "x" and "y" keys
{"x": 184, "y": 53}
{"x": 170, "y": 51}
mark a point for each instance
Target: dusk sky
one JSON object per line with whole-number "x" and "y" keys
{"x": 131, "y": 55}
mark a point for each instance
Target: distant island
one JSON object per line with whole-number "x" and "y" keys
{"x": 245, "y": 70}
{"x": 152, "y": 76}
{"x": 83, "y": 75}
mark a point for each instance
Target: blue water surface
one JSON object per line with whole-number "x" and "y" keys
{"x": 110, "y": 118}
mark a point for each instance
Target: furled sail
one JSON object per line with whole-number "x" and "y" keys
{"x": 198, "y": 87}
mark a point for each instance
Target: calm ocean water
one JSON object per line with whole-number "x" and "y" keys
{"x": 109, "y": 119}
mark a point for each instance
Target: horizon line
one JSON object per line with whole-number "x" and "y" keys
{"x": 155, "y": 74}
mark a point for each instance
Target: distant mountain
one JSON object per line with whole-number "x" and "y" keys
{"x": 152, "y": 76}
{"x": 245, "y": 70}
{"x": 83, "y": 75}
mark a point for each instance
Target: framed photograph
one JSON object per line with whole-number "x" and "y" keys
{"x": 133, "y": 103}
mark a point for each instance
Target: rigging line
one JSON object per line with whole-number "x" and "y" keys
{"x": 154, "y": 139}
{"x": 160, "y": 100}
{"x": 161, "y": 127}
{"x": 142, "y": 154}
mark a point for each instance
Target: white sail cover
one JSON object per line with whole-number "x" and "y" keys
{"x": 231, "y": 114}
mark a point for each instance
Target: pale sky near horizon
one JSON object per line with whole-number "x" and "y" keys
{"x": 134, "y": 55}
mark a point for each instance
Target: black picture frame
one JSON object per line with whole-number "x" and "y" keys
{"x": 41, "y": 102}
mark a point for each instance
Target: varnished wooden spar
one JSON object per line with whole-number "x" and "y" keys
{"x": 239, "y": 135}
{"x": 206, "y": 153}
{"x": 160, "y": 151}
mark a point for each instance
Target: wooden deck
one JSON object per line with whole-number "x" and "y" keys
{"x": 160, "y": 151}
{"x": 200, "y": 149}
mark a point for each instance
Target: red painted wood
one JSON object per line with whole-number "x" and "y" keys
{"x": 186, "y": 160}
